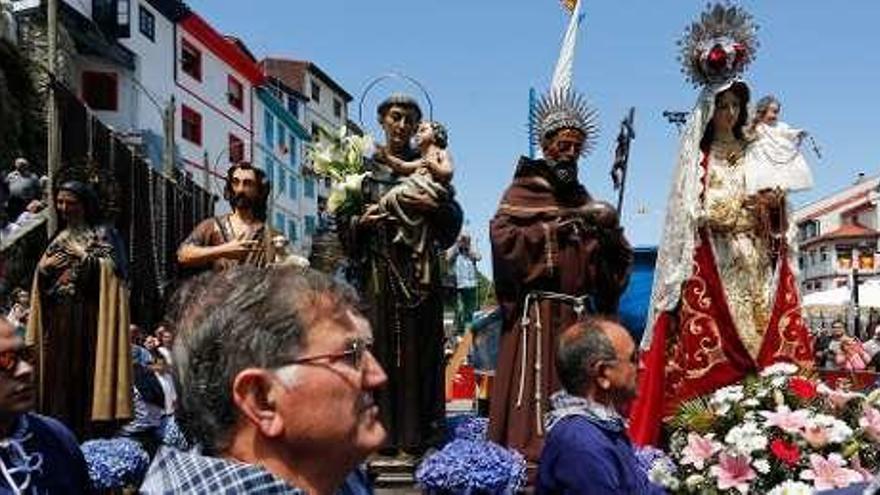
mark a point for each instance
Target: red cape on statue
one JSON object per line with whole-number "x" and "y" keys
{"x": 696, "y": 349}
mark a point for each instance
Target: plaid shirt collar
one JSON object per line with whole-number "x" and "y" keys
{"x": 174, "y": 471}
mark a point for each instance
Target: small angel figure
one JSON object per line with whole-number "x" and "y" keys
{"x": 773, "y": 159}
{"x": 427, "y": 177}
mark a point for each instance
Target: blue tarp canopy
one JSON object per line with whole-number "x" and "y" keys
{"x": 635, "y": 300}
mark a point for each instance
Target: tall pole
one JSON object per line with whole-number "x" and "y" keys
{"x": 532, "y": 102}
{"x": 168, "y": 164}
{"x": 857, "y": 323}
{"x": 53, "y": 149}
{"x": 621, "y": 156}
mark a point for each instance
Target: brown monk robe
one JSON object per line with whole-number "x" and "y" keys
{"x": 547, "y": 236}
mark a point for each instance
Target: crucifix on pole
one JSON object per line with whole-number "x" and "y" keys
{"x": 621, "y": 156}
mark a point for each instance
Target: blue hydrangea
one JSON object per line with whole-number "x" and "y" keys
{"x": 647, "y": 456}
{"x": 472, "y": 428}
{"x": 115, "y": 463}
{"x": 472, "y": 467}
{"x": 172, "y": 435}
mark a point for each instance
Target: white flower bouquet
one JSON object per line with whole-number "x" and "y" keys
{"x": 340, "y": 156}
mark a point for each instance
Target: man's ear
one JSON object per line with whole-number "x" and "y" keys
{"x": 255, "y": 392}
{"x": 601, "y": 379}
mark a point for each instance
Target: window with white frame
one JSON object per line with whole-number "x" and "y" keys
{"x": 309, "y": 187}
{"x": 293, "y": 150}
{"x": 316, "y": 91}
{"x": 191, "y": 125}
{"x": 236, "y": 149}
{"x": 282, "y": 179}
{"x": 123, "y": 18}
{"x": 147, "y": 23}
{"x": 282, "y": 137}
{"x": 292, "y": 234}
{"x": 191, "y": 60}
{"x": 292, "y": 186}
{"x": 235, "y": 93}
{"x": 269, "y": 124}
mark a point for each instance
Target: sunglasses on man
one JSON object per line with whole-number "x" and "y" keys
{"x": 10, "y": 358}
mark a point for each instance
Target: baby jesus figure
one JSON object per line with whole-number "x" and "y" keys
{"x": 773, "y": 159}
{"x": 428, "y": 176}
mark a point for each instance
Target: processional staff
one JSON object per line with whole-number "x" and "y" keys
{"x": 621, "y": 156}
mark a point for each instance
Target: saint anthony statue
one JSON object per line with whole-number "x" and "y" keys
{"x": 404, "y": 294}
{"x": 557, "y": 254}
{"x": 79, "y": 319}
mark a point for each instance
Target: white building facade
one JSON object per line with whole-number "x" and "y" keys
{"x": 214, "y": 85}
{"x": 97, "y": 66}
{"x": 837, "y": 235}
{"x": 152, "y": 37}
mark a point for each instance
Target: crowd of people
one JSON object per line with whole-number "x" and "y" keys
{"x": 285, "y": 379}
{"x": 837, "y": 350}
{"x": 24, "y": 194}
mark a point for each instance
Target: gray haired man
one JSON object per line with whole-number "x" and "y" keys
{"x": 276, "y": 384}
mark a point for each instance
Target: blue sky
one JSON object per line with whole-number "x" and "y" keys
{"x": 479, "y": 58}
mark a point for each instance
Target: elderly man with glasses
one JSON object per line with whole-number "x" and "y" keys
{"x": 276, "y": 386}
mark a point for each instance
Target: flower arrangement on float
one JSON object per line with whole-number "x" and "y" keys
{"x": 781, "y": 432}
{"x": 340, "y": 156}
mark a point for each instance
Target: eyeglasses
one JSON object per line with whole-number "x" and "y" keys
{"x": 353, "y": 356}
{"x": 634, "y": 358}
{"x": 10, "y": 358}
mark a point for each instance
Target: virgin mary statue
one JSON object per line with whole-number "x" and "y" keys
{"x": 725, "y": 300}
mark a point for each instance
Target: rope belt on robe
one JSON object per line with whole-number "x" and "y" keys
{"x": 532, "y": 301}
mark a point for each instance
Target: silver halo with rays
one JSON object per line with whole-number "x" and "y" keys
{"x": 564, "y": 109}
{"x": 727, "y": 26}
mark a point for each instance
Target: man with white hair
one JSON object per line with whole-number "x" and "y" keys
{"x": 276, "y": 386}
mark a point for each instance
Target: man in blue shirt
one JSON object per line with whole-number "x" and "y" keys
{"x": 587, "y": 449}
{"x": 37, "y": 454}
{"x": 463, "y": 259}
